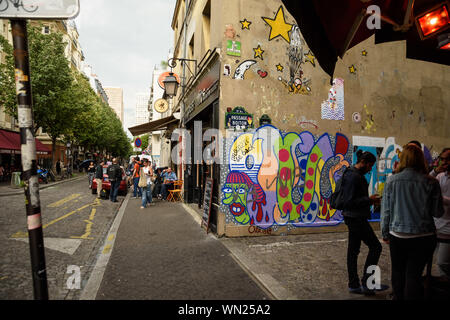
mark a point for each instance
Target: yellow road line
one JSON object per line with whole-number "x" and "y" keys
{"x": 63, "y": 201}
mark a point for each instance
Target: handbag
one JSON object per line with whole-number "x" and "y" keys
{"x": 142, "y": 179}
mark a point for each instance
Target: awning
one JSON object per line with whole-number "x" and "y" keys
{"x": 155, "y": 125}
{"x": 10, "y": 141}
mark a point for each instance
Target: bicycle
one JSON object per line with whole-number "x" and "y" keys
{"x": 4, "y": 5}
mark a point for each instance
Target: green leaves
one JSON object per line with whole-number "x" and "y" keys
{"x": 64, "y": 104}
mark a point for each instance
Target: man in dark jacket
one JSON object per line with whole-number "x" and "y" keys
{"x": 115, "y": 177}
{"x": 356, "y": 212}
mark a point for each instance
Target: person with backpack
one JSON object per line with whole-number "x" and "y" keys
{"x": 115, "y": 177}
{"x": 355, "y": 203}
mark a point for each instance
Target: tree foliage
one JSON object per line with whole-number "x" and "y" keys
{"x": 64, "y": 104}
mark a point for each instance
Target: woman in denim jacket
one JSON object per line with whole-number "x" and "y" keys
{"x": 411, "y": 199}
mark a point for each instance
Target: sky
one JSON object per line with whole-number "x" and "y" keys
{"x": 123, "y": 41}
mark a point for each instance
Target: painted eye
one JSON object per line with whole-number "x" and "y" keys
{"x": 227, "y": 190}
{"x": 242, "y": 191}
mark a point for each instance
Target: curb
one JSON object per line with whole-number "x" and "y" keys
{"x": 96, "y": 276}
{"x": 41, "y": 187}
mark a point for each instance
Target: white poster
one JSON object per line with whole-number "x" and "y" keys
{"x": 333, "y": 108}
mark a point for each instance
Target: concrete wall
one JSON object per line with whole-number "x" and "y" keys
{"x": 379, "y": 101}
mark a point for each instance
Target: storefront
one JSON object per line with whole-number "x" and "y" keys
{"x": 202, "y": 114}
{"x": 10, "y": 151}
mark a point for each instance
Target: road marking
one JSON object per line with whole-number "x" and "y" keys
{"x": 107, "y": 249}
{"x": 63, "y": 201}
{"x": 68, "y": 246}
{"x": 21, "y": 234}
{"x": 88, "y": 230}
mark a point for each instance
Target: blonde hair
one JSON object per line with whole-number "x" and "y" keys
{"x": 412, "y": 157}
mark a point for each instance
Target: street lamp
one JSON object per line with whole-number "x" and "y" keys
{"x": 170, "y": 85}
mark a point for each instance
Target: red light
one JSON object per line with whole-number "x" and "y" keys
{"x": 446, "y": 47}
{"x": 434, "y": 21}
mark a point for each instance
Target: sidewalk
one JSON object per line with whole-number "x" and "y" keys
{"x": 161, "y": 253}
{"x": 7, "y": 190}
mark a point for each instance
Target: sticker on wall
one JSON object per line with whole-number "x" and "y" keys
{"x": 242, "y": 68}
{"x": 227, "y": 70}
{"x": 352, "y": 69}
{"x": 233, "y": 48}
{"x": 258, "y": 52}
{"x": 356, "y": 117}
{"x": 333, "y": 108}
{"x": 230, "y": 33}
{"x": 245, "y": 24}
{"x": 262, "y": 73}
{"x": 364, "y": 53}
{"x": 278, "y": 26}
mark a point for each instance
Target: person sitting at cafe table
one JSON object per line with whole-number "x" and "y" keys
{"x": 169, "y": 177}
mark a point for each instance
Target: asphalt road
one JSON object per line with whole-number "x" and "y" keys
{"x": 75, "y": 224}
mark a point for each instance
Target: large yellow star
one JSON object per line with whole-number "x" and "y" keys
{"x": 279, "y": 67}
{"x": 258, "y": 52}
{"x": 278, "y": 26}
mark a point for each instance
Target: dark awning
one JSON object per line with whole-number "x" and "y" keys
{"x": 155, "y": 125}
{"x": 10, "y": 140}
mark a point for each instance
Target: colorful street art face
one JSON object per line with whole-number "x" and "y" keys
{"x": 279, "y": 179}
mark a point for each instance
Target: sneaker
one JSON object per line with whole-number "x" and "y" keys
{"x": 357, "y": 290}
{"x": 142, "y": 207}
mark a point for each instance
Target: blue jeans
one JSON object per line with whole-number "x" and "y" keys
{"x": 147, "y": 195}
{"x": 137, "y": 191}
{"x": 114, "y": 190}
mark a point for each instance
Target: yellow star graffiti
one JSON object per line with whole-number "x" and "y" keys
{"x": 279, "y": 67}
{"x": 352, "y": 69}
{"x": 245, "y": 24}
{"x": 258, "y": 52}
{"x": 364, "y": 53}
{"x": 278, "y": 26}
{"x": 310, "y": 58}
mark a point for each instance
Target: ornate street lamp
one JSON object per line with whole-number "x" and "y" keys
{"x": 170, "y": 85}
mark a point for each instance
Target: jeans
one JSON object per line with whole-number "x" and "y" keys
{"x": 408, "y": 259}
{"x": 360, "y": 230}
{"x": 137, "y": 191}
{"x": 164, "y": 189}
{"x": 147, "y": 195}
{"x": 443, "y": 259}
{"x": 114, "y": 190}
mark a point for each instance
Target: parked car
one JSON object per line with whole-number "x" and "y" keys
{"x": 106, "y": 184}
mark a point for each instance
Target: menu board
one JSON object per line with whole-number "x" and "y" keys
{"x": 207, "y": 200}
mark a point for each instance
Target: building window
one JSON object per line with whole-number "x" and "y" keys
{"x": 46, "y": 30}
{"x": 207, "y": 26}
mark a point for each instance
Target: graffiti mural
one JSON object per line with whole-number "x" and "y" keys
{"x": 277, "y": 178}
{"x": 333, "y": 107}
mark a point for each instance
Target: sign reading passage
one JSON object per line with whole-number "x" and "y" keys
{"x": 207, "y": 200}
{"x": 238, "y": 119}
{"x": 39, "y": 9}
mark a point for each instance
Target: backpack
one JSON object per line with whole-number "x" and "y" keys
{"x": 337, "y": 197}
{"x": 111, "y": 172}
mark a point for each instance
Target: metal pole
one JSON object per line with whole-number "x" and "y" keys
{"x": 29, "y": 163}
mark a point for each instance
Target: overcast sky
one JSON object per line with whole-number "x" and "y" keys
{"x": 123, "y": 41}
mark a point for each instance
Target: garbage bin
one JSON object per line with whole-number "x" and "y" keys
{"x": 15, "y": 180}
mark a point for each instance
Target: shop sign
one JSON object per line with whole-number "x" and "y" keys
{"x": 238, "y": 119}
{"x": 233, "y": 48}
{"x": 39, "y": 9}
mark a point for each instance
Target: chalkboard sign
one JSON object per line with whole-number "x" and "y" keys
{"x": 207, "y": 200}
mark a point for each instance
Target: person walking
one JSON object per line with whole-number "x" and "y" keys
{"x": 136, "y": 175}
{"x": 91, "y": 173}
{"x": 411, "y": 199}
{"x": 58, "y": 168}
{"x": 99, "y": 178}
{"x": 356, "y": 212}
{"x": 146, "y": 183}
{"x": 115, "y": 177}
